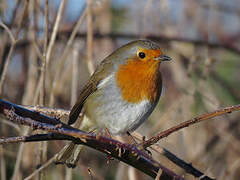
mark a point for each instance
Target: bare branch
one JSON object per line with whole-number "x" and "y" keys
{"x": 50, "y": 46}
{"x": 64, "y": 56}
{"x": 10, "y": 53}
{"x": 173, "y": 158}
{"x": 201, "y": 118}
{"x": 45, "y": 165}
{"x": 159, "y": 38}
{"x": 179, "y": 162}
{"x": 13, "y": 40}
{"x": 89, "y": 37}
{"x": 124, "y": 152}
{"x": 13, "y": 44}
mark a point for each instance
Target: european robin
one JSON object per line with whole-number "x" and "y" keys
{"x": 124, "y": 89}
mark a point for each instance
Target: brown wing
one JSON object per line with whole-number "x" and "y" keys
{"x": 101, "y": 72}
{"x": 88, "y": 89}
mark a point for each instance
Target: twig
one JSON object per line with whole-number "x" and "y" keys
{"x": 13, "y": 40}
{"x": 64, "y": 56}
{"x": 203, "y": 117}
{"x": 10, "y": 53}
{"x": 51, "y": 44}
{"x": 45, "y": 165}
{"x": 176, "y": 160}
{"x": 186, "y": 166}
{"x": 3, "y": 76}
{"x": 3, "y": 165}
{"x": 42, "y": 150}
{"x": 44, "y": 59}
{"x": 74, "y": 73}
{"x": 13, "y": 43}
{"x": 43, "y": 145}
{"x": 19, "y": 158}
{"x": 16, "y": 127}
{"x": 55, "y": 30}
{"x": 89, "y": 37}
{"x": 69, "y": 173}
{"x": 4, "y": 73}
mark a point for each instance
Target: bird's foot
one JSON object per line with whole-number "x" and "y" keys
{"x": 134, "y": 142}
{"x": 142, "y": 148}
{"x": 69, "y": 155}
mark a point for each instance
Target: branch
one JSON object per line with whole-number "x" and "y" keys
{"x": 10, "y": 54}
{"x": 12, "y": 47}
{"x": 64, "y": 55}
{"x": 198, "y": 119}
{"x": 61, "y": 113}
{"x": 188, "y": 167}
{"x": 60, "y": 131}
{"x": 159, "y": 38}
{"x": 47, "y": 56}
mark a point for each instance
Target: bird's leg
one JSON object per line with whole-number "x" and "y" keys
{"x": 132, "y": 138}
{"x": 139, "y": 145}
{"x": 70, "y": 154}
{"x": 75, "y": 155}
{"x": 64, "y": 154}
{"x": 108, "y": 133}
{"x": 145, "y": 149}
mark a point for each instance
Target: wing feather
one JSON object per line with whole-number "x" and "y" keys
{"x": 102, "y": 71}
{"x": 77, "y": 108}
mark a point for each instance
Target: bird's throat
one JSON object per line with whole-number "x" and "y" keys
{"x": 139, "y": 80}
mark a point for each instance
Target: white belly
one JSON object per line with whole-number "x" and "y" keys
{"x": 107, "y": 109}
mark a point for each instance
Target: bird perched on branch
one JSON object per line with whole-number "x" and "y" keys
{"x": 123, "y": 91}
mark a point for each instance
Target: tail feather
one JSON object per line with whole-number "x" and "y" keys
{"x": 74, "y": 113}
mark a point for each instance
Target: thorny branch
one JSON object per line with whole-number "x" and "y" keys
{"x": 61, "y": 113}
{"x": 57, "y": 127}
{"x": 60, "y": 131}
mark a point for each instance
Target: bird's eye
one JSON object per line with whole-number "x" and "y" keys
{"x": 141, "y": 55}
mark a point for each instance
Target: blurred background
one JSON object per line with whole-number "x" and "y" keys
{"x": 49, "y": 69}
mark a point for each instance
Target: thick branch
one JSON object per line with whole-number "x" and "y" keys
{"x": 124, "y": 152}
{"x": 173, "y": 158}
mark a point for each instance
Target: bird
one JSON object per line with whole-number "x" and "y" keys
{"x": 123, "y": 91}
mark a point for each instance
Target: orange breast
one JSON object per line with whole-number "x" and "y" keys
{"x": 139, "y": 80}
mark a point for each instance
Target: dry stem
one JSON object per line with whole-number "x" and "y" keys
{"x": 64, "y": 56}
{"x": 50, "y": 46}
{"x": 203, "y": 117}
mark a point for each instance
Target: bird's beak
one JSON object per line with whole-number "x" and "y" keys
{"x": 163, "y": 58}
